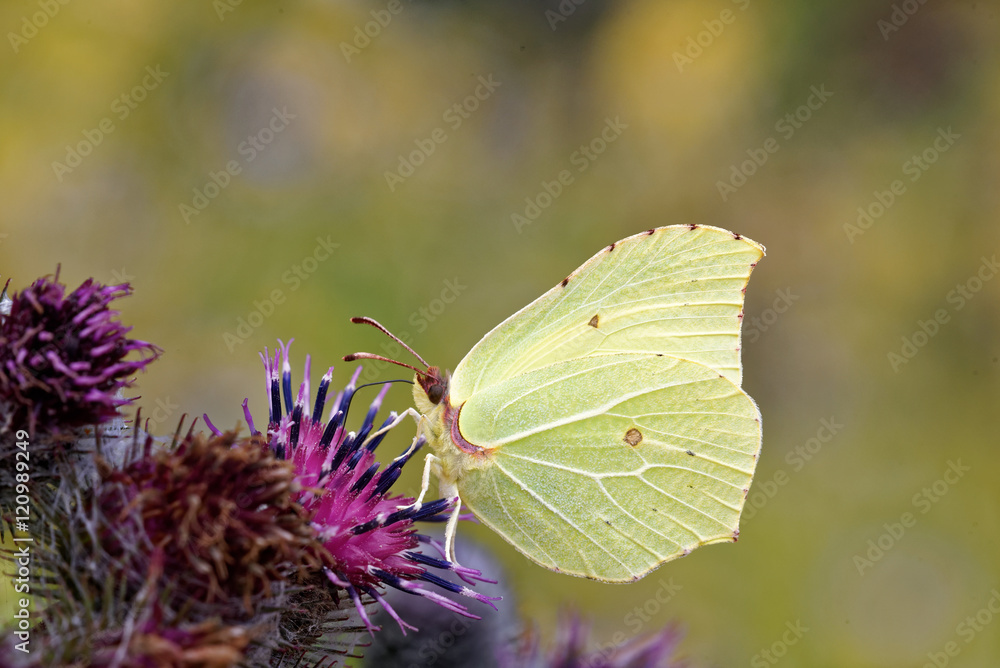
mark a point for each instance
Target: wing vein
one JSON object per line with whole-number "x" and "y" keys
{"x": 565, "y": 519}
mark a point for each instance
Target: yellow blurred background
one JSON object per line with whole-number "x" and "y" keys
{"x": 268, "y": 170}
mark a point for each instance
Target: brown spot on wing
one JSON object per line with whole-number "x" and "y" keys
{"x": 565, "y": 282}
{"x": 595, "y": 321}
{"x": 650, "y": 231}
{"x": 736, "y": 236}
{"x": 633, "y": 437}
{"x": 692, "y": 227}
{"x": 611, "y": 247}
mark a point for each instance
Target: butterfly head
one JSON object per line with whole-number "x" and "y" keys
{"x": 434, "y": 384}
{"x": 430, "y": 389}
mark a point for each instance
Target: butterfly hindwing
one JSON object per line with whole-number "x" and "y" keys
{"x": 607, "y": 466}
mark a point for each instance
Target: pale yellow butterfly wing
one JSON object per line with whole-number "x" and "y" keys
{"x": 674, "y": 290}
{"x": 605, "y": 431}
{"x": 608, "y": 466}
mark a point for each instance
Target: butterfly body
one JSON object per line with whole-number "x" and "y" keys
{"x": 440, "y": 427}
{"x": 602, "y": 429}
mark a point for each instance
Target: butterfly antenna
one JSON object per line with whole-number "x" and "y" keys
{"x": 376, "y": 325}
{"x": 372, "y": 356}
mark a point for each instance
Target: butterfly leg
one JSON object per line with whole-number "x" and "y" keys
{"x": 431, "y": 463}
{"x": 418, "y": 441}
{"x": 409, "y": 412}
{"x": 449, "y": 490}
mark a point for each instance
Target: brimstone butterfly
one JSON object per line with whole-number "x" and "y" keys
{"x": 602, "y": 429}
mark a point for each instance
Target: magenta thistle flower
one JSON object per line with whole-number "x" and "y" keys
{"x": 654, "y": 650}
{"x": 63, "y": 357}
{"x": 369, "y": 534}
{"x": 222, "y": 510}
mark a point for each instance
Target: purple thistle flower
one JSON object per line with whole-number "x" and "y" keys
{"x": 368, "y": 534}
{"x": 222, "y": 511}
{"x": 654, "y": 650}
{"x": 62, "y": 357}
{"x": 147, "y": 642}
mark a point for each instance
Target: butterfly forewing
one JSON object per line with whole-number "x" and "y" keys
{"x": 675, "y": 290}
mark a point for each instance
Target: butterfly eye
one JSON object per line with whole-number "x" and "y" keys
{"x": 434, "y": 384}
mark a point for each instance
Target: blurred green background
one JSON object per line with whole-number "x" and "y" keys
{"x": 776, "y": 120}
